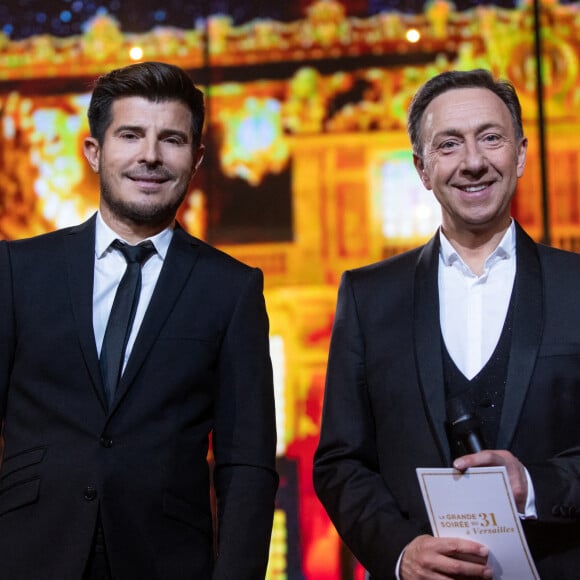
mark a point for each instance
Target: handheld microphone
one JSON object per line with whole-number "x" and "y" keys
{"x": 464, "y": 425}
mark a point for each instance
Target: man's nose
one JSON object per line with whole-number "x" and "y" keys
{"x": 474, "y": 159}
{"x": 150, "y": 151}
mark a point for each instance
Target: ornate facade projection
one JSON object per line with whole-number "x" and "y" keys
{"x": 308, "y": 170}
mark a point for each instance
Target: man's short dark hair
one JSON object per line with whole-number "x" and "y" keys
{"x": 449, "y": 80}
{"x": 154, "y": 81}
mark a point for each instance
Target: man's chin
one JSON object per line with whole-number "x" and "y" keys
{"x": 143, "y": 210}
{"x": 146, "y": 215}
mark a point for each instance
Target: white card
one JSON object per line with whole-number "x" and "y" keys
{"x": 478, "y": 505}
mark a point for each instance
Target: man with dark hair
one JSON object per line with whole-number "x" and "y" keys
{"x": 480, "y": 317}
{"x": 124, "y": 344}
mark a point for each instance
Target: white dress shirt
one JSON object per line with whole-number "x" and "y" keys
{"x": 110, "y": 266}
{"x": 472, "y": 309}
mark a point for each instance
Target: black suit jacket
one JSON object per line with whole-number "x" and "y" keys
{"x": 384, "y": 408}
{"x": 200, "y": 365}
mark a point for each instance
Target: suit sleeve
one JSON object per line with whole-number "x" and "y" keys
{"x": 6, "y": 334}
{"x": 346, "y": 471}
{"x": 547, "y": 438}
{"x": 244, "y": 440}
{"x": 6, "y": 326}
{"x": 557, "y": 488}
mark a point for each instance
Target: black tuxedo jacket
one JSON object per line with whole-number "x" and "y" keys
{"x": 384, "y": 408}
{"x": 200, "y": 365}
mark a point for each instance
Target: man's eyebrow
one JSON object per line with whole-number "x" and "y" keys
{"x": 135, "y": 128}
{"x": 448, "y": 133}
{"x": 162, "y": 133}
{"x": 490, "y": 125}
{"x": 451, "y": 132}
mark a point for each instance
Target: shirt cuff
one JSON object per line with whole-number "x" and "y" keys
{"x": 530, "y": 512}
{"x": 398, "y": 566}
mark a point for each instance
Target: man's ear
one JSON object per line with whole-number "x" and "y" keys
{"x": 420, "y": 167}
{"x": 199, "y": 155}
{"x": 92, "y": 152}
{"x": 521, "y": 161}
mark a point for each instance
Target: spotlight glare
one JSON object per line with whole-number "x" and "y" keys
{"x": 136, "y": 53}
{"x": 413, "y": 35}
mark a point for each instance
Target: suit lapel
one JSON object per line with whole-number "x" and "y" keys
{"x": 427, "y": 331}
{"x": 80, "y": 260}
{"x": 526, "y": 335}
{"x": 179, "y": 263}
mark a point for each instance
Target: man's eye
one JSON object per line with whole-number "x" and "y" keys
{"x": 128, "y": 136}
{"x": 174, "y": 140}
{"x": 491, "y": 138}
{"x": 447, "y": 145}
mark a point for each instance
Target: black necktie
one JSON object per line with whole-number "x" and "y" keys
{"x": 122, "y": 314}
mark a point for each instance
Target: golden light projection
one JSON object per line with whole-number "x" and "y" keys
{"x": 254, "y": 143}
{"x": 407, "y": 210}
{"x": 42, "y": 166}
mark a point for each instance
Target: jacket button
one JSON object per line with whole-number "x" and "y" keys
{"x": 106, "y": 442}
{"x": 90, "y": 493}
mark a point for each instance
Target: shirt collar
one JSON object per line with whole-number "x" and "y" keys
{"x": 104, "y": 235}
{"x": 505, "y": 250}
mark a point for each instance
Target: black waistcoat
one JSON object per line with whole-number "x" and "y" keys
{"x": 484, "y": 393}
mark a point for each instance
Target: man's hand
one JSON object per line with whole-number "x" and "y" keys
{"x": 492, "y": 457}
{"x": 432, "y": 558}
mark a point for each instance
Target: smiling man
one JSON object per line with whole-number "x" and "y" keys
{"x": 124, "y": 344}
{"x": 481, "y": 319}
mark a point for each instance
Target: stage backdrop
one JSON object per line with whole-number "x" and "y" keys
{"x": 308, "y": 171}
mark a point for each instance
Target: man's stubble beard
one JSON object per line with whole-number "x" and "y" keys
{"x": 151, "y": 214}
